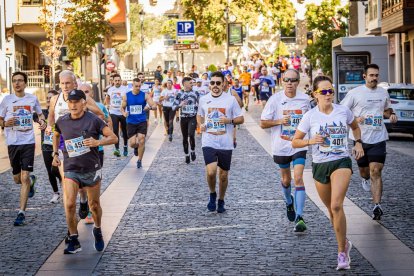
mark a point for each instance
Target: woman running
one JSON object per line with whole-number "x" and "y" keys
{"x": 156, "y": 94}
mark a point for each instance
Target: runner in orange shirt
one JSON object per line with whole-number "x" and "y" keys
{"x": 245, "y": 79}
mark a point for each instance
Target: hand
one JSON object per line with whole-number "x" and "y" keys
{"x": 360, "y": 119}
{"x": 90, "y": 142}
{"x": 203, "y": 127}
{"x": 285, "y": 120}
{"x": 56, "y": 161}
{"x": 358, "y": 151}
{"x": 146, "y": 108}
{"x": 10, "y": 122}
{"x": 393, "y": 118}
{"x": 48, "y": 130}
{"x": 183, "y": 103}
{"x": 318, "y": 139}
{"x": 265, "y": 84}
{"x": 224, "y": 120}
{"x": 43, "y": 125}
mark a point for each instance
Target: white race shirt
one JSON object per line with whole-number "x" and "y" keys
{"x": 334, "y": 127}
{"x": 115, "y": 102}
{"x": 218, "y": 136}
{"x": 278, "y": 106}
{"x": 202, "y": 90}
{"x": 370, "y": 104}
{"x": 169, "y": 97}
{"x": 22, "y": 108}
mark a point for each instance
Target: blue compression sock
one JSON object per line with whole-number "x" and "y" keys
{"x": 287, "y": 192}
{"x": 300, "y": 196}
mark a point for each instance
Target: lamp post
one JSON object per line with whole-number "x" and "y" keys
{"x": 141, "y": 17}
{"x": 226, "y": 15}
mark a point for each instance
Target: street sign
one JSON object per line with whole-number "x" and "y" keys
{"x": 110, "y": 65}
{"x": 185, "y": 31}
{"x": 192, "y": 46}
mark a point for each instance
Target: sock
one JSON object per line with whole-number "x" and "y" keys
{"x": 21, "y": 211}
{"x": 300, "y": 196}
{"x": 287, "y": 193}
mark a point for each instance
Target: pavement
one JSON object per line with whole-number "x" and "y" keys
{"x": 166, "y": 228}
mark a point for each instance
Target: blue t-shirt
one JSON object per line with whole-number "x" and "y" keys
{"x": 106, "y": 114}
{"x": 239, "y": 91}
{"x": 135, "y": 107}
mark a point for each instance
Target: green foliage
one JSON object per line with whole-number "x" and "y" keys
{"x": 209, "y": 16}
{"x": 212, "y": 68}
{"x": 281, "y": 50}
{"x": 319, "y": 20}
{"x": 88, "y": 26}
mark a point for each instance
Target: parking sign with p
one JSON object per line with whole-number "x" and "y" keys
{"x": 185, "y": 31}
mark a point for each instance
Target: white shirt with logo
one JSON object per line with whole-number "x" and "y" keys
{"x": 370, "y": 104}
{"x": 279, "y": 106}
{"x": 22, "y": 109}
{"x": 217, "y": 135}
{"x": 333, "y": 126}
{"x": 115, "y": 102}
{"x": 202, "y": 90}
{"x": 169, "y": 97}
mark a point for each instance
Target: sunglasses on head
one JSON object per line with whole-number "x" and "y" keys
{"x": 290, "y": 79}
{"x": 215, "y": 83}
{"x": 325, "y": 91}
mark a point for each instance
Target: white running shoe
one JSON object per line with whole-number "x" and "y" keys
{"x": 366, "y": 185}
{"x": 55, "y": 199}
{"x": 348, "y": 247}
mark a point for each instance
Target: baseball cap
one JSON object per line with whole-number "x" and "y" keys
{"x": 76, "y": 95}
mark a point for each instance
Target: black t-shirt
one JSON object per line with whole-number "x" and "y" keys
{"x": 77, "y": 157}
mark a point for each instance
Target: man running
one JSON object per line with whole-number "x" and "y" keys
{"x": 16, "y": 116}
{"x": 245, "y": 78}
{"x": 187, "y": 102}
{"x": 217, "y": 115}
{"x": 114, "y": 100}
{"x": 282, "y": 115}
{"x": 134, "y": 107}
{"x": 81, "y": 131}
{"x": 265, "y": 86}
{"x": 370, "y": 104}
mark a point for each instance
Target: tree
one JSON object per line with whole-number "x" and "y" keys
{"x": 88, "y": 26}
{"x": 281, "y": 50}
{"x": 322, "y": 20}
{"x": 52, "y": 20}
{"x": 209, "y": 16}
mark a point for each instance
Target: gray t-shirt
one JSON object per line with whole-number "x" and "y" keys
{"x": 78, "y": 157}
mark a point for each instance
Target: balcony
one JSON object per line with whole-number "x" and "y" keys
{"x": 397, "y": 16}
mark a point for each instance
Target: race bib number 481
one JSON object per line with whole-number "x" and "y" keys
{"x": 76, "y": 147}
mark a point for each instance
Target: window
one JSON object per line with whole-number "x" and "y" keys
{"x": 32, "y": 2}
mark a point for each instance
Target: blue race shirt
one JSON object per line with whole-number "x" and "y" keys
{"x": 239, "y": 91}
{"x": 135, "y": 108}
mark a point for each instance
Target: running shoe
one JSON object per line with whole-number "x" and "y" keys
{"x": 366, "y": 185}
{"x": 117, "y": 153}
{"x": 73, "y": 246}
{"x": 170, "y": 137}
{"x": 99, "y": 242}
{"x": 20, "y": 220}
{"x": 211, "y": 206}
{"x": 290, "y": 210}
{"x": 193, "y": 156}
{"x": 377, "y": 212}
{"x": 32, "y": 191}
{"x": 187, "y": 159}
{"x": 300, "y": 225}
{"x": 125, "y": 151}
{"x": 89, "y": 218}
{"x": 83, "y": 210}
{"x": 342, "y": 261}
{"x": 139, "y": 164}
{"x": 67, "y": 238}
{"x": 55, "y": 199}
{"x": 348, "y": 246}
{"x": 220, "y": 206}
{"x": 136, "y": 151}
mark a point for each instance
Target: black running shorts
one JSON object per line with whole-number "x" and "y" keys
{"x": 373, "y": 153}
{"x": 133, "y": 130}
{"x": 21, "y": 157}
{"x": 222, "y": 157}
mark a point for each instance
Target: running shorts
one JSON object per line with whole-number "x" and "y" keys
{"x": 133, "y": 130}
{"x": 322, "y": 171}
{"x": 88, "y": 179}
{"x": 298, "y": 158}
{"x": 373, "y": 153}
{"x": 21, "y": 157}
{"x": 222, "y": 157}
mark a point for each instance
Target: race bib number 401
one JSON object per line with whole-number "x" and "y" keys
{"x": 76, "y": 147}
{"x": 335, "y": 140}
{"x": 24, "y": 117}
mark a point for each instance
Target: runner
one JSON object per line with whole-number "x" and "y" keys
{"x": 146, "y": 88}
{"x": 245, "y": 79}
{"x": 113, "y": 101}
{"x": 238, "y": 89}
{"x": 16, "y": 116}
{"x": 81, "y": 131}
{"x": 217, "y": 115}
{"x": 134, "y": 106}
{"x": 187, "y": 102}
{"x": 255, "y": 84}
{"x": 282, "y": 114}
{"x": 155, "y": 94}
{"x": 266, "y": 85}
{"x": 327, "y": 124}
{"x": 47, "y": 150}
{"x": 202, "y": 91}
{"x": 370, "y": 104}
{"x": 167, "y": 98}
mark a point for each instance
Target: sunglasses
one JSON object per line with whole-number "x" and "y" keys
{"x": 290, "y": 80}
{"x": 218, "y": 83}
{"x": 325, "y": 91}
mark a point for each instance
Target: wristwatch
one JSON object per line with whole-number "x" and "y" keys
{"x": 358, "y": 141}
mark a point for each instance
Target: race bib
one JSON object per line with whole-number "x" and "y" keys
{"x": 48, "y": 139}
{"x": 76, "y": 147}
{"x": 335, "y": 140}
{"x": 245, "y": 87}
{"x": 188, "y": 109}
{"x": 265, "y": 89}
{"x": 288, "y": 130}
{"x": 116, "y": 100}
{"x": 213, "y": 125}
{"x": 373, "y": 121}
{"x": 135, "y": 109}
{"x": 24, "y": 117}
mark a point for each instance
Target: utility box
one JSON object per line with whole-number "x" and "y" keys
{"x": 349, "y": 57}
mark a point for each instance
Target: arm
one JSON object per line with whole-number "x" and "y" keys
{"x": 271, "y": 123}
{"x": 94, "y": 108}
{"x": 123, "y": 107}
{"x": 150, "y": 102}
{"x": 272, "y": 82}
{"x": 56, "y": 142}
{"x": 107, "y": 100}
{"x": 298, "y": 141}
{"x": 109, "y": 138}
{"x": 357, "y": 150}
{"x": 389, "y": 114}
{"x": 41, "y": 121}
{"x": 51, "y": 117}
{"x": 239, "y": 101}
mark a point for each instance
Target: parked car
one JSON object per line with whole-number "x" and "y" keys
{"x": 402, "y": 102}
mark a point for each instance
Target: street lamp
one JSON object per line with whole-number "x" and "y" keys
{"x": 141, "y": 17}
{"x": 232, "y": 18}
